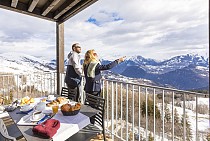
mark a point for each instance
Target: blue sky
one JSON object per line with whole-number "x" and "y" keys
{"x": 158, "y": 29}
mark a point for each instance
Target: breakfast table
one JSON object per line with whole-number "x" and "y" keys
{"x": 69, "y": 125}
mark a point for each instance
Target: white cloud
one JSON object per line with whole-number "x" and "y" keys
{"x": 155, "y": 29}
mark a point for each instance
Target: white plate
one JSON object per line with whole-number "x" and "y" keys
{"x": 40, "y": 116}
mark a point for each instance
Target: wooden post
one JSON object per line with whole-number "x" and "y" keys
{"x": 59, "y": 53}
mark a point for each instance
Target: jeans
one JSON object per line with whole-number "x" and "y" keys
{"x": 77, "y": 91}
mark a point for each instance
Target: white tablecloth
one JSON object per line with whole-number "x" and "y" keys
{"x": 69, "y": 125}
{"x": 4, "y": 114}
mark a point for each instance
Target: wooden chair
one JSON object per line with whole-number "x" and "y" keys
{"x": 4, "y": 136}
{"x": 69, "y": 93}
{"x": 92, "y": 130}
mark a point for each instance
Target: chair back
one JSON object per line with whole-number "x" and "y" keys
{"x": 4, "y": 133}
{"x": 69, "y": 93}
{"x": 64, "y": 92}
{"x": 99, "y": 104}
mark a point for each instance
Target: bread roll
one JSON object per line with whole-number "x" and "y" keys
{"x": 65, "y": 107}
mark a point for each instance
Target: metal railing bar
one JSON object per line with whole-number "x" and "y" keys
{"x": 121, "y": 111}
{"x": 139, "y": 89}
{"x": 112, "y": 106}
{"x": 126, "y": 112}
{"x": 172, "y": 116}
{"x": 184, "y": 120}
{"x": 196, "y": 118}
{"x": 107, "y": 105}
{"x": 116, "y": 105}
{"x": 154, "y": 114}
{"x": 163, "y": 116}
{"x": 146, "y": 113}
{"x": 133, "y": 112}
{"x": 157, "y": 87}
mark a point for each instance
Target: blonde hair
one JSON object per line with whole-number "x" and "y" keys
{"x": 89, "y": 57}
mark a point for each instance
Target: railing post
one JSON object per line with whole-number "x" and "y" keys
{"x": 184, "y": 118}
{"x": 133, "y": 112}
{"x": 163, "y": 116}
{"x": 116, "y": 105}
{"x": 121, "y": 111}
{"x": 3, "y": 87}
{"x": 103, "y": 88}
{"x": 30, "y": 84}
{"x": 196, "y": 118}
{"x": 154, "y": 114}
{"x": 17, "y": 86}
{"x": 139, "y": 88}
{"x": 107, "y": 105}
{"x": 146, "y": 115}
{"x": 173, "y": 116}
{"x": 112, "y": 116}
{"x": 126, "y": 112}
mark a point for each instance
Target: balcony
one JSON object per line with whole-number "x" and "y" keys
{"x": 134, "y": 112}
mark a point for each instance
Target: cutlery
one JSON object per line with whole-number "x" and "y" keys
{"x": 43, "y": 119}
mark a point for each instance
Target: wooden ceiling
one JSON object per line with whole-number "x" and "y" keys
{"x": 53, "y": 10}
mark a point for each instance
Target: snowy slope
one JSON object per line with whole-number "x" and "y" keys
{"x": 21, "y": 63}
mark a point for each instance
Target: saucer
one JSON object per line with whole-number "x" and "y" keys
{"x": 39, "y": 117}
{"x": 26, "y": 108}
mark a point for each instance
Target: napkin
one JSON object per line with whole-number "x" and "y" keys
{"x": 47, "y": 129}
{"x": 24, "y": 112}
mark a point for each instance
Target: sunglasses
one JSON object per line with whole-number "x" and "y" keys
{"x": 77, "y": 47}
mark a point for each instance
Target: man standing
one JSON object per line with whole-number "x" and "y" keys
{"x": 74, "y": 70}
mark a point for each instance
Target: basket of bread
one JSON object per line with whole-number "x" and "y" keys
{"x": 70, "y": 110}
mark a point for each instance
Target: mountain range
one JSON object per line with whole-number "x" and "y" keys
{"x": 184, "y": 72}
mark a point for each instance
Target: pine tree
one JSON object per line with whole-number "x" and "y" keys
{"x": 177, "y": 125}
{"x": 188, "y": 128}
{"x": 176, "y": 116}
{"x": 167, "y": 115}
{"x": 150, "y": 137}
{"x": 150, "y": 108}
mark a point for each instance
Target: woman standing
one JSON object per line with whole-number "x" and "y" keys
{"x": 92, "y": 71}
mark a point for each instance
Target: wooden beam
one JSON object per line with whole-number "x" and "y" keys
{"x": 59, "y": 52}
{"x": 32, "y": 5}
{"x": 49, "y": 6}
{"x": 75, "y": 10}
{"x": 23, "y": 8}
{"x": 65, "y": 7}
{"x": 14, "y": 3}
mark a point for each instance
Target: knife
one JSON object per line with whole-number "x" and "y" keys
{"x": 46, "y": 117}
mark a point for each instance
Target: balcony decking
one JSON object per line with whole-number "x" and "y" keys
{"x": 133, "y": 111}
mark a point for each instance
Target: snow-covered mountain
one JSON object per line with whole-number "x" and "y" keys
{"x": 181, "y": 72}
{"x": 161, "y": 67}
{"x": 18, "y": 63}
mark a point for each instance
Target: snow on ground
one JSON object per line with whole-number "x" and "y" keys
{"x": 203, "y": 119}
